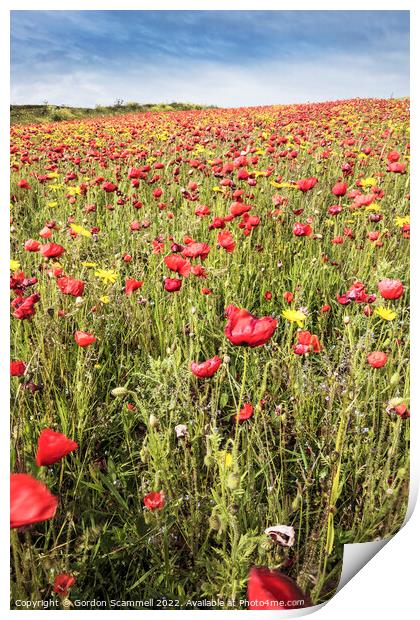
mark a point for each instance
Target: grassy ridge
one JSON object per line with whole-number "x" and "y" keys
{"x": 34, "y": 114}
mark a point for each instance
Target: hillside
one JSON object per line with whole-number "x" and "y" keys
{"x": 47, "y": 113}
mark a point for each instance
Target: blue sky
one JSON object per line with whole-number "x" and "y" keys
{"x": 226, "y": 58}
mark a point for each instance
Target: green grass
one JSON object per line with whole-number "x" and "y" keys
{"x": 48, "y": 113}
{"x": 321, "y": 453}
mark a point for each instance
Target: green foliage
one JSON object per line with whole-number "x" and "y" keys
{"x": 45, "y": 113}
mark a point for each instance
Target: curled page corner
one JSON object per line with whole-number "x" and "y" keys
{"x": 355, "y": 556}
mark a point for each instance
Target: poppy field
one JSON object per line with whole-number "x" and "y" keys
{"x": 209, "y": 353}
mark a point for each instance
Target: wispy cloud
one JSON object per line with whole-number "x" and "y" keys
{"x": 223, "y": 58}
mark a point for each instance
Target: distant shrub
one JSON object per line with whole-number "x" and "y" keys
{"x": 132, "y": 105}
{"x": 62, "y": 114}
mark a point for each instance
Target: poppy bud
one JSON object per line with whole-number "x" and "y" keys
{"x": 266, "y": 544}
{"x": 153, "y": 421}
{"x": 214, "y": 522}
{"x": 394, "y": 402}
{"x": 296, "y": 502}
{"x": 395, "y": 379}
{"x": 233, "y": 481}
{"x": 119, "y": 391}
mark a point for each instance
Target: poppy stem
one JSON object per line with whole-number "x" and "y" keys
{"x": 241, "y": 393}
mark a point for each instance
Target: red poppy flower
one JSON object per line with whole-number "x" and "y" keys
{"x": 196, "y": 250}
{"x": 17, "y": 368}
{"x": 288, "y": 297}
{"x": 52, "y": 447}
{"x": 217, "y": 222}
{"x": 70, "y": 286}
{"x": 391, "y": 289}
{"x": 31, "y": 245}
{"x": 393, "y": 156}
{"x": 51, "y": 250}
{"x": 24, "y": 306}
{"x": 23, "y": 183}
{"x": 202, "y": 210}
{"x": 356, "y": 293}
{"x": 198, "y": 271}
{"x": 172, "y": 284}
{"x": 402, "y": 411}
{"x": 245, "y": 413}
{"x": 226, "y": 241}
{"x": 269, "y": 589}
{"x": 134, "y": 173}
{"x": 45, "y": 232}
{"x": 334, "y": 209}
{"x": 109, "y": 187}
{"x": 268, "y": 296}
{"x": 325, "y": 308}
{"x": 307, "y": 343}
{"x": 131, "y": 285}
{"x": 302, "y": 230}
{"x": 83, "y": 339}
{"x": 154, "y": 500}
{"x": 396, "y": 167}
{"x": 238, "y": 208}
{"x": 306, "y": 184}
{"x": 176, "y": 263}
{"x": 245, "y": 329}
{"x": 63, "y": 583}
{"x": 377, "y": 359}
{"x": 207, "y": 368}
{"x": 339, "y": 189}
{"x": 30, "y": 501}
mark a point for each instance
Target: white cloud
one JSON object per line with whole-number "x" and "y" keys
{"x": 325, "y": 78}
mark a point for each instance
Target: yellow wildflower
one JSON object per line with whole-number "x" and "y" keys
{"x": 80, "y": 230}
{"x": 400, "y": 220}
{"x": 368, "y": 182}
{"x": 108, "y": 276}
{"x": 385, "y": 313}
{"x": 294, "y": 316}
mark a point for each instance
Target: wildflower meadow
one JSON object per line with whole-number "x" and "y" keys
{"x": 209, "y": 352}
